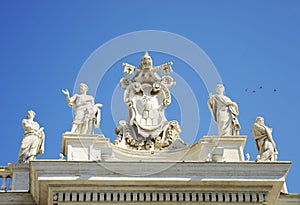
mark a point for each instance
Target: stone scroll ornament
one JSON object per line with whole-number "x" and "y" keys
{"x": 147, "y": 95}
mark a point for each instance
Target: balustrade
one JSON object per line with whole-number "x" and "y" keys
{"x": 5, "y": 178}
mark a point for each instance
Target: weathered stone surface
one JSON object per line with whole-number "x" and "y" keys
{"x": 87, "y": 114}
{"x": 255, "y": 182}
{"x": 230, "y": 147}
{"x": 288, "y": 199}
{"x": 147, "y": 95}
{"x": 224, "y": 112}
{"x": 86, "y": 147}
{"x": 264, "y": 141}
{"x": 20, "y": 178}
{"x": 209, "y": 148}
{"x": 16, "y": 198}
{"x": 33, "y": 139}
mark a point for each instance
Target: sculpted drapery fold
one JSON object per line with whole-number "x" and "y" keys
{"x": 87, "y": 114}
{"x": 224, "y": 113}
{"x": 33, "y": 139}
{"x": 264, "y": 141}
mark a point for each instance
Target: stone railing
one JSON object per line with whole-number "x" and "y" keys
{"x": 5, "y": 178}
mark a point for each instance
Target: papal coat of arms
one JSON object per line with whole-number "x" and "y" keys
{"x": 147, "y": 95}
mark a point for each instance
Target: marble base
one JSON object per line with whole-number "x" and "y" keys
{"x": 208, "y": 149}
{"x": 218, "y": 149}
{"x": 20, "y": 177}
{"x": 86, "y": 147}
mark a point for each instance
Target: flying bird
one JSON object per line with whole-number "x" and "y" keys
{"x": 260, "y": 87}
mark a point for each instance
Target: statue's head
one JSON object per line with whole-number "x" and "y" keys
{"x": 146, "y": 61}
{"x": 83, "y": 88}
{"x": 220, "y": 88}
{"x": 30, "y": 114}
{"x": 259, "y": 120}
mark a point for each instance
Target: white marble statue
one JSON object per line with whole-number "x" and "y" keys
{"x": 264, "y": 141}
{"x": 147, "y": 95}
{"x": 224, "y": 112}
{"x": 87, "y": 114}
{"x": 33, "y": 139}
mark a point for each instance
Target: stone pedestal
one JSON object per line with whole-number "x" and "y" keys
{"x": 86, "y": 147}
{"x": 218, "y": 149}
{"x": 20, "y": 177}
{"x": 230, "y": 148}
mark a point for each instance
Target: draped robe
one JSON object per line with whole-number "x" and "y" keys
{"x": 224, "y": 113}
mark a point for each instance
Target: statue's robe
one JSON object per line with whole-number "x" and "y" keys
{"x": 224, "y": 113}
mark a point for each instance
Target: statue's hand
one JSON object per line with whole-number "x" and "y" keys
{"x": 41, "y": 129}
{"x": 66, "y": 92}
{"x": 98, "y": 105}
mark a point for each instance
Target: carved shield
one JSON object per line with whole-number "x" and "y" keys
{"x": 149, "y": 114}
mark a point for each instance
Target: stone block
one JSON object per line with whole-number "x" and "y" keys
{"x": 218, "y": 148}
{"x": 85, "y": 147}
{"x": 20, "y": 177}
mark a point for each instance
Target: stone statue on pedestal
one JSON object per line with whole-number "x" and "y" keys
{"x": 33, "y": 139}
{"x": 224, "y": 112}
{"x": 264, "y": 141}
{"x": 87, "y": 114}
{"x": 147, "y": 95}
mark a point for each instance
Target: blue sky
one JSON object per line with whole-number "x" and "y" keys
{"x": 253, "y": 44}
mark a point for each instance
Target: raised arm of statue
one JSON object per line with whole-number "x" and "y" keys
{"x": 87, "y": 114}
{"x": 70, "y": 100}
{"x": 66, "y": 92}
